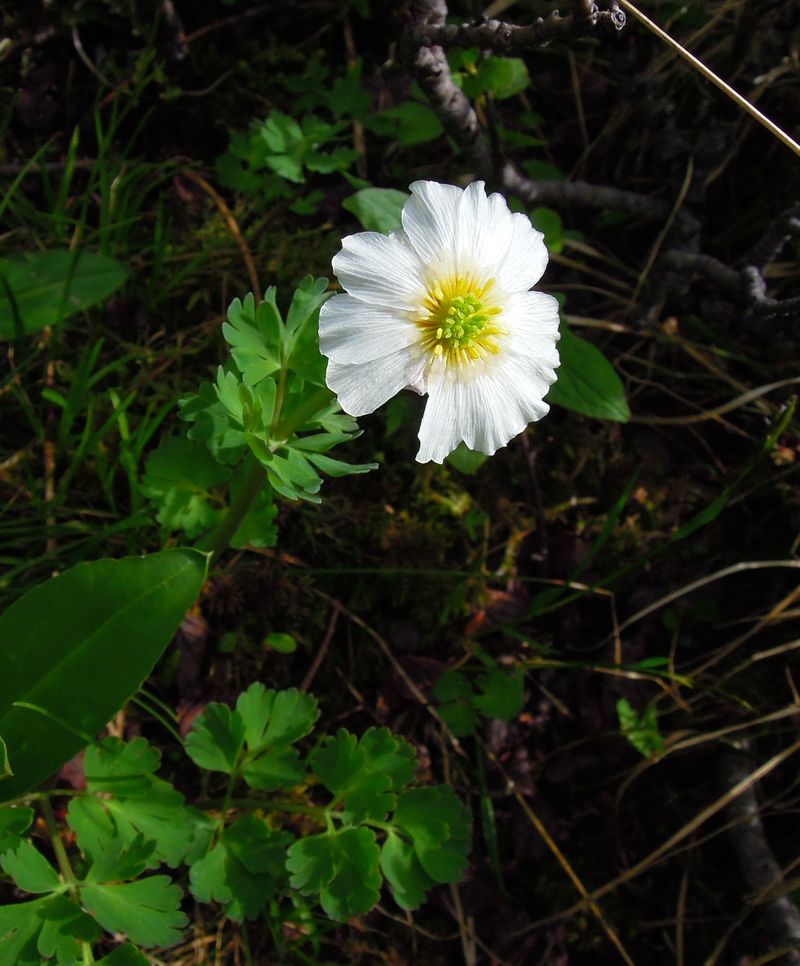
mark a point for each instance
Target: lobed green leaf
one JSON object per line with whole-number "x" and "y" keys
{"x": 407, "y": 879}
{"x": 503, "y": 693}
{"x": 15, "y": 820}
{"x": 65, "y": 926}
{"x": 456, "y": 696}
{"x": 212, "y": 426}
{"x": 20, "y": 926}
{"x": 120, "y": 860}
{"x": 341, "y": 866}
{"x": 364, "y": 774}
{"x": 217, "y": 738}
{"x": 409, "y": 122}
{"x": 179, "y": 477}
{"x": 244, "y": 870}
{"x": 641, "y": 730}
{"x": 439, "y": 827}
{"x": 275, "y": 717}
{"x": 256, "y": 738}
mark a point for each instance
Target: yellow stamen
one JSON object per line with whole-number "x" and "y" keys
{"x": 457, "y": 323}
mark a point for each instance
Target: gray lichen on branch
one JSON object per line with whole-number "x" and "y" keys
{"x": 512, "y": 39}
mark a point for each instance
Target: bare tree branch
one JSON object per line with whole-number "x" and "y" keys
{"x": 724, "y": 277}
{"x": 767, "y": 248}
{"x": 759, "y": 868}
{"x": 506, "y": 38}
{"x": 426, "y": 61}
{"x": 582, "y": 194}
{"x": 422, "y": 50}
{"x": 743, "y": 285}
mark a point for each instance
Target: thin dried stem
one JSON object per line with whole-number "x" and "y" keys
{"x": 709, "y": 74}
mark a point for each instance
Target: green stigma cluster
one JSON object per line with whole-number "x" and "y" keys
{"x": 458, "y": 325}
{"x": 464, "y": 319}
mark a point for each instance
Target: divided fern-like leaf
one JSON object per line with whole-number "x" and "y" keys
{"x": 131, "y": 801}
{"x": 30, "y": 870}
{"x": 254, "y": 333}
{"x": 146, "y": 910}
{"x": 20, "y": 926}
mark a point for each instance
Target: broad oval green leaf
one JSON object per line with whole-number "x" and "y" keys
{"x": 378, "y": 209}
{"x": 587, "y": 382}
{"x": 409, "y": 123}
{"x": 466, "y": 460}
{"x": 45, "y": 288}
{"x": 78, "y": 646}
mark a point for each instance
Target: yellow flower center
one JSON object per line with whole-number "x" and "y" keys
{"x": 459, "y": 321}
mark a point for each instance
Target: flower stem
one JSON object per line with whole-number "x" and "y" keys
{"x": 219, "y": 539}
{"x": 303, "y": 413}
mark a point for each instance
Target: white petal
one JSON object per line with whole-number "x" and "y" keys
{"x": 362, "y": 387}
{"x": 532, "y": 322}
{"x": 429, "y": 219}
{"x": 484, "y": 406}
{"x": 457, "y": 231}
{"x": 467, "y": 232}
{"x": 484, "y": 231}
{"x": 351, "y": 331}
{"x": 526, "y": 256}
{"x": 380, "y": 269}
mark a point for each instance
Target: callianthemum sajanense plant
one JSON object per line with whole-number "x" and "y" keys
{"x": 443, "y": 306}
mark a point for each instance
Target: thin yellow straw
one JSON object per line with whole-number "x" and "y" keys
{"x": 710, "y": 75}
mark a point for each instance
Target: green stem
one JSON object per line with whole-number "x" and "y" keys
{"x": 58, "y": 847}
{"x": 219, "y": 539}
{"x": 226, "y": 802}
{"x": 268, "y": 805}
{"x": 30, "y": 798}
{"x": 279, "y": 394}
{"x": 302, "y": 414}
{"x": 322, "y": 812}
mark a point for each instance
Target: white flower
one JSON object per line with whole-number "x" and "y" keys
{"x": 443, "y": 307}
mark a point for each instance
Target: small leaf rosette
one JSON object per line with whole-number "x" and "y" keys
{"x": 443, "y": 306}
